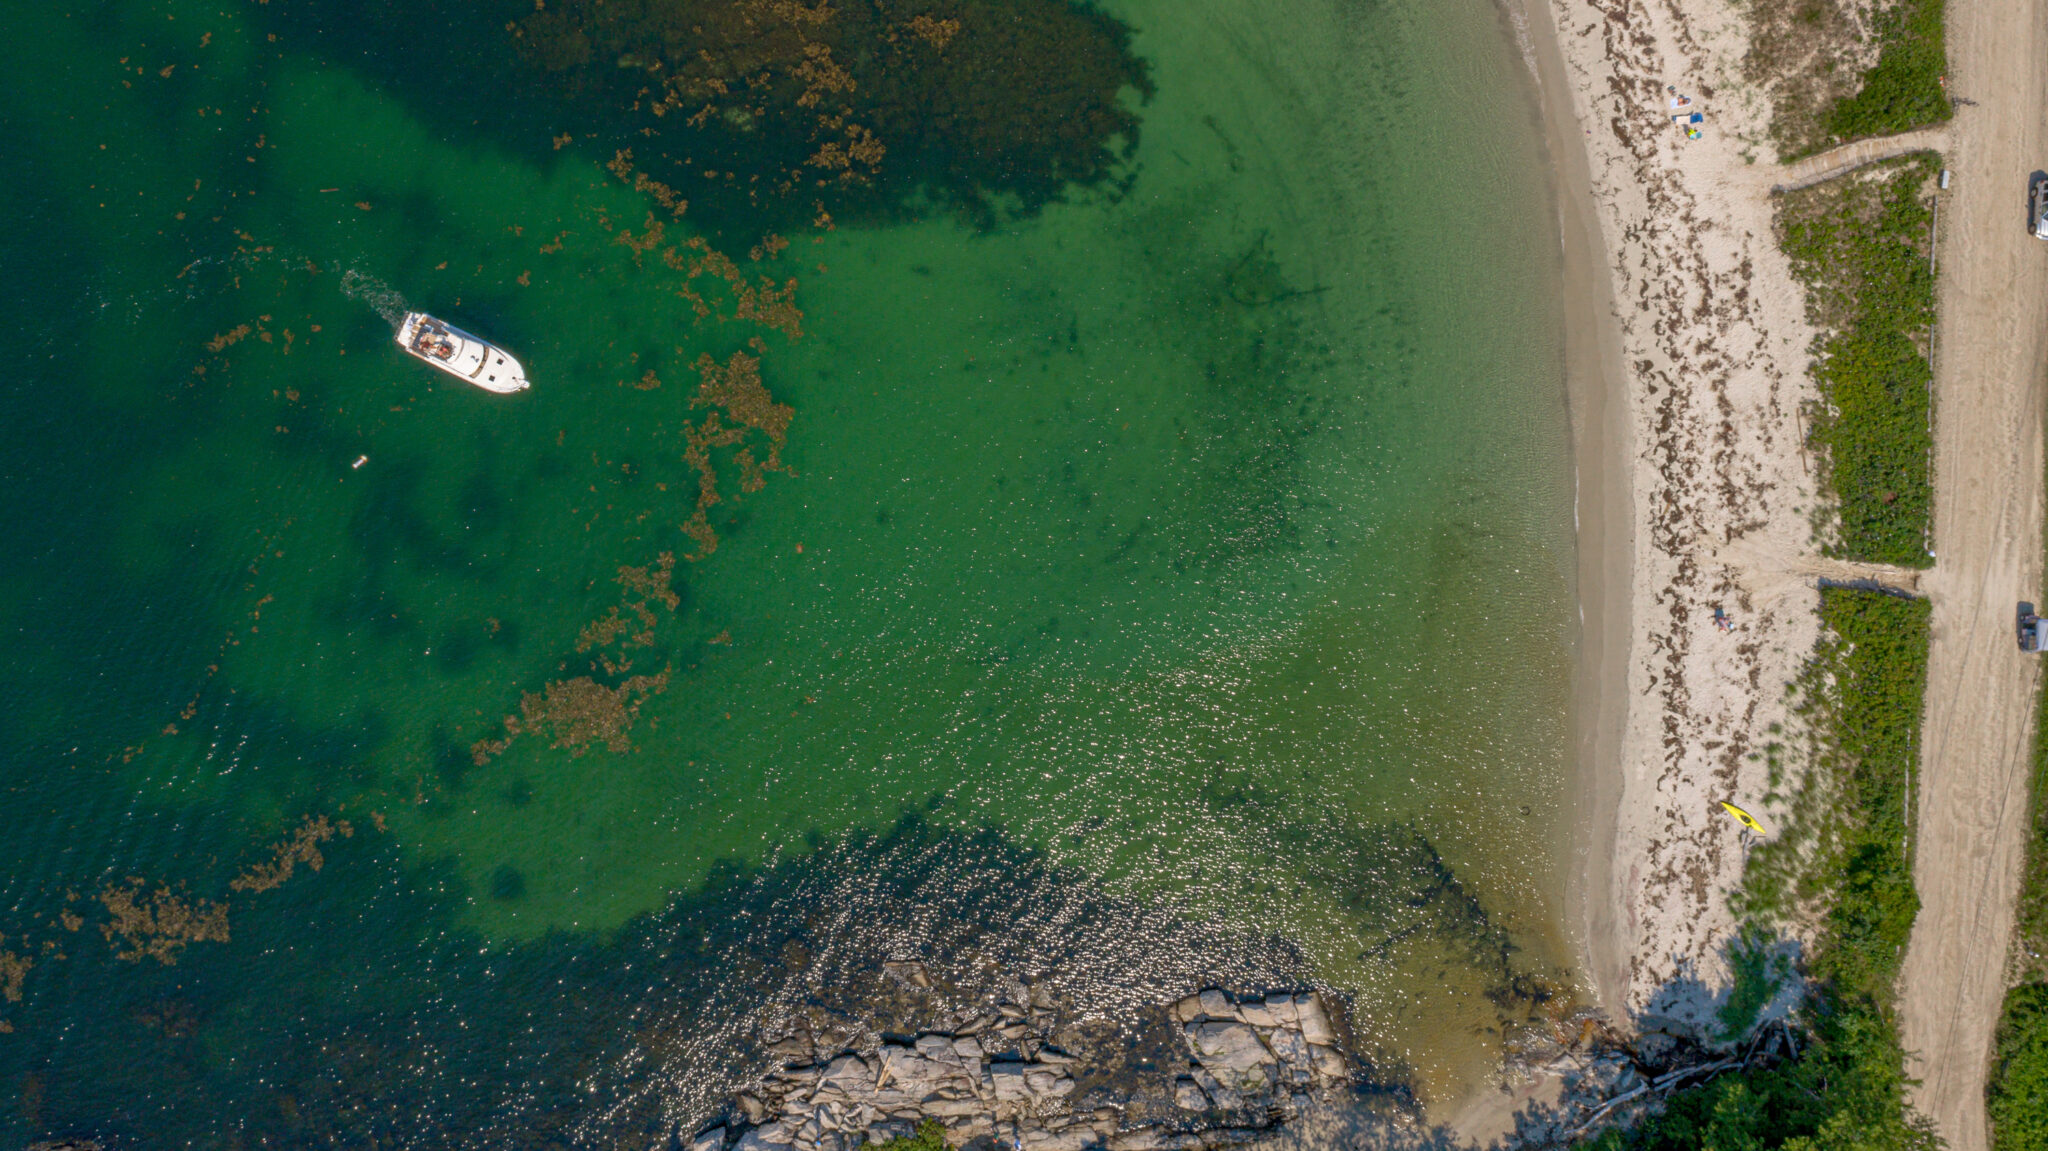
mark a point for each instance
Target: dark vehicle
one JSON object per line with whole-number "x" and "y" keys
{"x": 2033, "y": 630}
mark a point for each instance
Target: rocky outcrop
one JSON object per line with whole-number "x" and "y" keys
{"x": 1000, "y": 1080}
{"x": 1243, "y": 1049}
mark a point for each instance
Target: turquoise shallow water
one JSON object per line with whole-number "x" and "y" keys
{"x": 1174, "y": 575}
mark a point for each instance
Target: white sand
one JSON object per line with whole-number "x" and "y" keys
{"x": 1712, "y": 352}
{"x": 1689, "y": 376}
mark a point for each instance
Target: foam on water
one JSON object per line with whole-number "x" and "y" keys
{"x": 389, "y": 301}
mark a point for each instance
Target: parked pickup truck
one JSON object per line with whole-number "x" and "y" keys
{"x": 2033, "y": 630}
{"x": 2037, "y": 206}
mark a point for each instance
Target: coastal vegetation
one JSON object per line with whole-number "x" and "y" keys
{"x": 2017, "y": 1094}
{"x": 1905, "y": 89}
{"x": 1862, "y": 245}
{"x": 1838, "y": 871}
{"x": 1837, "y": 71}
{"x": 928, "y": 1137}
{"x": 1843, "y": 863}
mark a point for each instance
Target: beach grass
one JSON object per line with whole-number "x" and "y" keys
{"x": 1828, "y": 86}
{"x": 1904, "y": 89}
{"x": 1862, "y": 245}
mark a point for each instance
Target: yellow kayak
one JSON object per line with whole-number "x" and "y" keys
{"x": 1744, "y": 818}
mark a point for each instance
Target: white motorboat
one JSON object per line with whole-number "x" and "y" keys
{"x": 460, "y": 354}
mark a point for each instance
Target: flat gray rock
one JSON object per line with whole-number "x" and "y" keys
{"x": 1315, "y": 1023}
{"x": 1234, "y": 1046}
{"x": 1008, "y": 1080}
{"x": 1291, "y": 1048}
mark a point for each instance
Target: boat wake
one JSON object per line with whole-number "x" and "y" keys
{"x": 388, "y": 301}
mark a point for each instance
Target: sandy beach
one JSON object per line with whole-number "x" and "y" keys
{"x": 1698, "y": 410}
{"x": 1688, "y": 365}
{"x": 1685, "y": 354}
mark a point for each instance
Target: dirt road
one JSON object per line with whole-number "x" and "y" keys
{"x": 1991, "y": 362}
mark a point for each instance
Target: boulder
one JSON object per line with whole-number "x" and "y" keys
{"x": 1008, "y": 1080}
{"x": 1329, "y": 1064}
{"x": 937, "y": 1048}
{"x": 1231, "y": 1046}
{"x": 850, "y": 1074}
{"x": 966, "y": 1127}
{"x": 712, "y": 1140}
{"x": 1315, "y": 1022}
{"x": 775, "y": 1136}
{"x": 1217, "y": 1005}
{"x": 910, "y": 1072}
{"x": 1187, "y": 1096}
{"x": 1220, "y": 1095}
{"x": 1289, "y": 1046}
{"x": 796, "y": 1076}
{"x": 1282, "y": 1009}
{"x": 953, "y": 1108}
{"x": 968, "y": 1049}
{"x": 1188, "y": 1010}
{"x": 1071, "y": 1139}
{"x": 1143, "y": 1139}
{"x": 889, "y": 1129}
{"x": 1047, "y": 1084}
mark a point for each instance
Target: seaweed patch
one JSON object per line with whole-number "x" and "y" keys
{"x": 770, "y": 101}
{"x": 733, "y": 388}
{"x": 161, "y": 925}
{"x": 301, "y": 846}
{"x": 577, "y": 712}
{"x": 13, "y": 969}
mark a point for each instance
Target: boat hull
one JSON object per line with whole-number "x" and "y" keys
{"x": 468, "y": 358}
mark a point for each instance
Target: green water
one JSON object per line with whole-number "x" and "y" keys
{"x": 1196, "y": 545}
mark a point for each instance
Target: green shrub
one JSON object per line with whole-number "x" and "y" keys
{"x": 929, "y": 1137}
{"x": 1876, "y": 648}
{"x": 1846, "y": 1092}
{"x": 1903, "y": 89}
{"x": 1861, "y": 245}
{"x": 1758, "y": 971}
{"x": 2018, "y": 1095}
